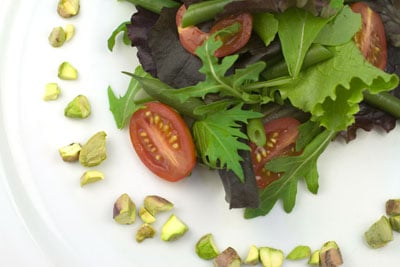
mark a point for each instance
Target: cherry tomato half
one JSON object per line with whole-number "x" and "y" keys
{"x": 371, "y": 39}
{"x": 163, "y": 141}
{"x": 192, "y": 37}
{"x": 281, "y": 135}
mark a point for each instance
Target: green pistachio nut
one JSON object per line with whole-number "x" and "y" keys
{"x": 145, "y": 231}
{"x": 393, "y": 207}
{"x": 94, "y": 151}
{"x": 314, "y": 258}
{"x": 173, "y": 229}
{"x": 228, "y": 258}
{"x": 69, "y": 31}
{"x": 330, "y": 255}
{"x": 90, "y": 177}
{"x": 379, "y": 234}
{"x": 51, "y": 92}
{"x": 70, "y": 153}
{"x": 395, "y": 223}
{"x": 271, "y": 257}
{"x": 124, "y": 211}
{"x": 66, "y": 71}
{"x": 155, "y": 204}
{"x": 253, "y": 256}
{"x": 146, "y": 216}
{"x": 206, "y": 248}
{"x": 298, "y": 253}
{"x": 57, "y": 37}
{"x": 68, "y": 8}
{"x": 78, "y": 108}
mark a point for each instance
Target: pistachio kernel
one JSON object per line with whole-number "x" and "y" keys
{"x": 379, "y": 234}
{"x": 91, "y": 177}
{"x": 124, "y": 211}
{"x": 57, "y": 37}
{"x": 145, "y": 231}
{"x": 173, "y": 229}
{"x": 69, "y": 31}
{"x": 66, "y": 71}
{"x": 70, "y": 153}
{"x": 330, "y": 255}
{"x": 271, "y": 257}
{"x": 146, "y": 216}
{"x": 78, "y": 108}
{"x": 155, "y": 204}
{"x": 206, "y": 248}
{"x": 94, "y": 151}
{"x": 228, "y": 258}
{"x": 51, "y": 92}
{"x": 253, "y": 256}
{"x": 68, "y": 8}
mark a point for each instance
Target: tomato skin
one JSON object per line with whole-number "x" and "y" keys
{"x": 237, "y": 41}
{"x": 281, "y": 135}
{"x": 192, "y": 37}
{"x": 371, "y": 39}
{"x": 162, "y": 141}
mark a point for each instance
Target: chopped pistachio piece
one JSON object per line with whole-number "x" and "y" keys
{"x": 94, "y": 151}
{"x": 51, "y": 92}
{"x": 395, "y": 223}
{"x": 78, "y": 108}
{"x": 173, "y": 229}
{"x": 145, "y": 231}
{"x": 330, "y": 255}
{"x": 228, "y": 258}
{"x": 299, "y": 253}
{"x": 393, "y": 207}
{"x": 57, "y": 37}
{"x": 68, "y": 8}
{"x": 314, "y": 258}
{"x": 271, "y": 257}
{"x": 124, "y": 211}
{"x": 146, "y": 216}
{"x": 155, "y": 204}
{"x": 67, "y": 72}
{"x": 380, "y": 233}
{"x": 253, "y": 256}
{"x": 206, "y": 248}
{"x": 91, "y": 177}
{"x": 71, "y": 152}
{"x": 69, "y": 31}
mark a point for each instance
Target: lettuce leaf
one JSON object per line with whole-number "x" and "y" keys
{"x": 332, "y": 90}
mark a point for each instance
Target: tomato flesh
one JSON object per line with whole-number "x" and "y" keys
{"x": 162, "y": 141}
{"x": 371, "y": 39}
{"x": 192, "y": 37}
{"x": 281, "y": 136}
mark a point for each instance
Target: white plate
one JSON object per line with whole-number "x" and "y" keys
{"x": 49, "y": 220}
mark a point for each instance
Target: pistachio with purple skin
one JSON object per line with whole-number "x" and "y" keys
{"x": 154, "y": 204}
{"x": 68, "y": 8}
{"x": 124, "y": 210}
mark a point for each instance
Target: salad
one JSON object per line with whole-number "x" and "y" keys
{"x": 256, "y": 89}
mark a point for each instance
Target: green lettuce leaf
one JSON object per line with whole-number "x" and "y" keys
{"x": 332, "y": 90}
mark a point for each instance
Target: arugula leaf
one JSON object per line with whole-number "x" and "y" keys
{"x": 297, "y": 30}
{"x": 294, "y": 168}
{"x": 332, "y": 90}
{"x": 121, "y": 28}
{"x": 215, "y": 71}
{"x": 123, "y": 107}
{"x": 217, "y": 138}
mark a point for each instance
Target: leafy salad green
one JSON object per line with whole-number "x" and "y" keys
{"x": 328, "y": 88}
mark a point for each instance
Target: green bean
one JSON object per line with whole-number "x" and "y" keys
{"x": 203, "y": 11}
{"x": 384, "y": 101}
{"x": 256, "y": 132}
{"x": 154, "y": 5}
{"x": 316, "y": 54}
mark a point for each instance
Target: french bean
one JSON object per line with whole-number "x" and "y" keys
{"x": 154, "y": 5}
{"x": 203, "y": 11}
{"x": 384, "y": 101}
{"x": 256, "y": 132}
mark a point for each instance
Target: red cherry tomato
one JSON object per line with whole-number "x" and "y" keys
{"x": 281, "y": 135}
{"x": 371, "y": 39}
{"x": 163, "y": 141}
{"x": 192, "y": 37}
